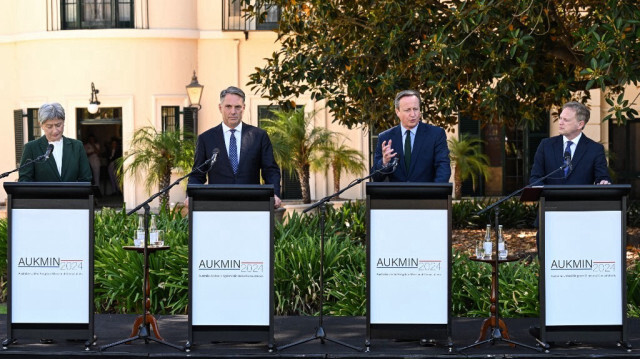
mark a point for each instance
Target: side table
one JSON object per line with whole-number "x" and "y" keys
{"x": 150, "y": 319}
{"x": 491, "y": 321}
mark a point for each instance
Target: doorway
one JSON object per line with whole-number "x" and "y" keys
{"x": 101, "y": 133}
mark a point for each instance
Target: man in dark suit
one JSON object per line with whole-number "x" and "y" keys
{"x": 421, "y": 149}
{"x": 586, "y": 163}
{"x": 68, "y": 161}
{"x": 586, "y": 159}
{"x": 244, "y": 150}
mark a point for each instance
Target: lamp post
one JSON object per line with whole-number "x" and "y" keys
{"x": 194, "y": 92}
{"x": 93, "y": 102}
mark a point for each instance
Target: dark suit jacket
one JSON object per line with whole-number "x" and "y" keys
{"x": 256, "y": 154}
{"x": 75, "y": 165}
{"x": 588, "y": 164}
{"x": 429, "y": 158}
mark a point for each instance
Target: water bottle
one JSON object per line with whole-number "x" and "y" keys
{"x": 502, "y": 245}
{"x": 139, "y": 240}
{"x": 488, "y": 244}
{"x": 153, "y": 232}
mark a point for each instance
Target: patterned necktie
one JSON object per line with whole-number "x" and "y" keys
{"x": 233, "y": 151}
{"x": 567, "y": 158}
{"x": 407, "y": 150}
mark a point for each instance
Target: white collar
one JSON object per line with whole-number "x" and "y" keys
{"x": 226, "y": 128}
{"x": 574, "y": 141}
{"x": 413, "y": 130}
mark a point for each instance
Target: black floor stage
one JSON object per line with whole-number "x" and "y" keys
{"x": 352, "y": 330}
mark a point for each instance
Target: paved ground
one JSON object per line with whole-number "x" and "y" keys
{"x": 351, "y": 330}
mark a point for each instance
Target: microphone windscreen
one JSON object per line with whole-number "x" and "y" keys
{"x": 49, "y": 150}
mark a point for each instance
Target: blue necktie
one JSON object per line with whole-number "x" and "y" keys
{"x": 233, "y": 151}
{"x": 567, "y": 158}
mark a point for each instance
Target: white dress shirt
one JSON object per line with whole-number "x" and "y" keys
{"x": 574, "y": 143}
{"x": 227, "y": 137}
{"x": 57, "y": 154}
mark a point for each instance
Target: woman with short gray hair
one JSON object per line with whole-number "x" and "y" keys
{"x": 67, "y": 161}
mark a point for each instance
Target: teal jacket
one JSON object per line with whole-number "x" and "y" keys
{"x": 75, "y": 165}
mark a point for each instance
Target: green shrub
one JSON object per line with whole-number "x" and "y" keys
{"x": 633, "y": 290}
{"x": 118, "y": 273}
{"x": 471, "y": 288}
{"x": 297, "y": 267}
{"x": 349, "y": 220}
{"x": 513, "y": 213}
{"x": 633, "y": 214}
{"x": 464, "y": 213}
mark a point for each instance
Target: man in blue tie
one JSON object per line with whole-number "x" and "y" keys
{"x": 421, "y": 149}
{"x": 245, "y": 151}
{"x": 586, "y": 159}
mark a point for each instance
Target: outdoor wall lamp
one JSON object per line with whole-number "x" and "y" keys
{"x": 194, "y": 92}
{"x": 93, "y": 103}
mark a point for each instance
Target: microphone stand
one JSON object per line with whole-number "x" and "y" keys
{"x": 321, "y": 205}
{"x": 496, "y": 334}
{"x": 40, "y": 158}
{"x": 143, "y": 329}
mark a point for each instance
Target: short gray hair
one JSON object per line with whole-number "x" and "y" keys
{"x": 582, "y": 112}
{"x": 231, "y": 90}
{"x": 406, "y": 93}
{"x": 50, "y": 111}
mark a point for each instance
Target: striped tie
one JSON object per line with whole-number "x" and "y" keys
{"x": 233, "y": 151}
{"x": 567, "y": 158}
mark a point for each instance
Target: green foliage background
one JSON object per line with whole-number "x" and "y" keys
{"x": 118, "y": 281}
{"x": 496, "y": 61}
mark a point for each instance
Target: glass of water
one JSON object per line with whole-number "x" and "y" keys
{"x": 160, "y": 241}
{"x": 480, "y": 249}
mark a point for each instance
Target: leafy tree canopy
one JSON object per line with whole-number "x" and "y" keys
{"x": 498, "y": 61}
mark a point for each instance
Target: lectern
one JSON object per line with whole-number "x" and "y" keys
{"x": 409, "y": 261}
{"x": 50, "y": 261}
{"x": 230, "y": 263}
{"x": 583, "y": 263}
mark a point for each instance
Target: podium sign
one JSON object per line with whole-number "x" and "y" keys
{"x": 408, "y": 260}
{"x": 50, "y": 260}
{"x": 231, "y": 268}
{"x": 583, "y": 261}
{"x": 231, "y": 263}
{"x": 50, "y": 256}
{"x": 408, "y": 269}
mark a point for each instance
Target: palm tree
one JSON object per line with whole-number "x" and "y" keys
{"x": 466, "y": 154}
{"x": 155, "y": 155}
{"x": 298, "y": 145}
{"x": 344, "y": 159}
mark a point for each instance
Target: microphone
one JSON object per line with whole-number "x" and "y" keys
{"x": 214, "y": 157}
{"x": 49, "y": 150}
{"x": 47, "y": 154}
{"x": 393, "y": 164}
